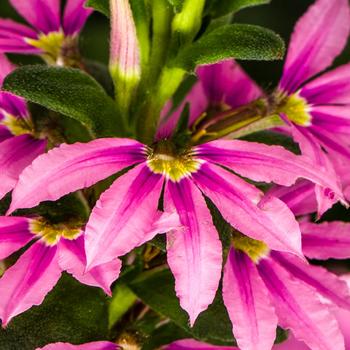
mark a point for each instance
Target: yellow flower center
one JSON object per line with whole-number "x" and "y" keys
{"x": 296, "y": 110}
{"x": 51, "y": 233}
{"x": 253, "y": 248}
{"x": 18, "y": 126}
{"x": 164, "y": 160}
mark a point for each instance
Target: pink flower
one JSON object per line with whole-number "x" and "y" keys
{"x": 100, "y": 345}
{"x": 18, "y": 146}
{"x": 316, "y": 108}
{"x": 49, "y": 36}
{"x": 127, "y": 214}
{"x": 56, "y": 248}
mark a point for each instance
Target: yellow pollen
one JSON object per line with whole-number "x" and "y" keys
{"x": 253, "y": 248}
{"x": 163, "y": 160}
{"x": 296, "y": 109}
{"x": 51, "y": 233}
{"x": 18, "y": 125}
{"x": 51, "y": 44}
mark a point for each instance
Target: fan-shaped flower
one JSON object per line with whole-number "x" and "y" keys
{"x": 53, "y": 38}
{"x": 18, "y": 144}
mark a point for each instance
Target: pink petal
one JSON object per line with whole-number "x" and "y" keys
{"x": 330, "y": 88}
{"x": 71, "y": 167}
{"x": 326, "y": 240}
{"x": 17, "y": 45}
{"x": 247, "y": 301}
{"x": 299, "y": 308}
{"x": 227, "y": 83}
{"x": 14, "y": 234}
{"x": 6, "y": 67}
{"x": 28, "y": 281}
{"x": 300, "y": 197}
{"x": 73, "y": 260}
{"x": 194, "y": 250}
{"x": 125, "y": 216}
{"x": 324, "y": 282}
{"x": 319, "y": 36}
{"x": 263, "y": 163}
{"x": 12, "y": 104}
{"x": 44, "y": 15}
{"x": 268, "y": 220}
{"x": 191, "y": 344}
{"x": 16, "y": 153}
{"x": 75, "y": 16}
{"x": 99, "y": 345}
{"x": 11, "y": 29}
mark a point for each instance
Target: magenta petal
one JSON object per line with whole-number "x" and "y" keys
{"x": 191, "y": 344}
{"x": 227, "y": 83}
{"x": 268, "y": 220}
{"x": 6, "y": 67}
{"x": 124, "y": 217}
{"x": 319, "y": 36}
{"x": 300, "y": 197}
{"x": 17, "y": 45}
{"x": 299, "y": 308}
{"x": 326, "y": 240}
{"x": 73, "y": 260}
{"x": 16, "y": 153}
{"x": 325, "y": 283}
{"x": 28, "y": 281}
{"x": 14, "y": 234}
{"x": 71, "y": 167}
{"x": 44, "y": 15}
{"x": 247, "y": 301}
{"x": 260, "y": 162}
{"x": 14, "y": 105}
{"x": 11, "y": 29}
{"x": 194, "y": 250}
{"x": 332, "y": 87}
{"x": 99, "y": 345}
{"x": 75, "y": 16}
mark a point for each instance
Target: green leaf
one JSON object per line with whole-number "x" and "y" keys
{"x": 70, "y": 92}
{"x": 240, "y": 41}
{"x": 177, "y": 4}
{"x": 123, "y": 298}
{"x": 99, "y": 5}
{"x": 71, "y": 313}
{"x": 221, "y": 8}
{"x": 156, "y": 289}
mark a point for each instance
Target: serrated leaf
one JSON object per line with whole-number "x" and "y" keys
{"x": 70, "y": 92}
{"x": 221, "y": 8}
{"x": 240, "y": 41}
{"x": 71, "y": 313}
{"x": 99, "y": 5}
{"x": 156, "y": 289}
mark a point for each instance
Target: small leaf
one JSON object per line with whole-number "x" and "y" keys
{"x": 70, "y": 92}
{"x": 71, "y": 313}
{"x": 99, "y": 5}
{"x": 123, "y": 298}
{"x": 240, "y": 41}
{"x": 221, "y": 8}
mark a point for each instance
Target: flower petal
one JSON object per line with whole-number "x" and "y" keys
{"x": 73, "y": 260}
{"x": 330, "y": 88}
{"x": 264, "y": 163}
{"x": 326, "y": 240}
{"x": 319, "y": 36}
{"x": 247, "y": 301}
{"x": 298, "y": 308}
{"x": 325, "y": 283}
{"x": 71, "y": 167}
{"x": 227, "y": 83}
{"x": 44, "y": 15}
{"x": 14, "y": 234}
{"x": 99, "y": 345}
{"x": 125, "y": 216}
{"x": 268, "y": 220}
{"x": 28, "y": 281}
{"x": 191, "y": 344}
{"x": 16, "y": 153}
{"x": 75, "y": 16}
{"x": 194, "y": 250}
